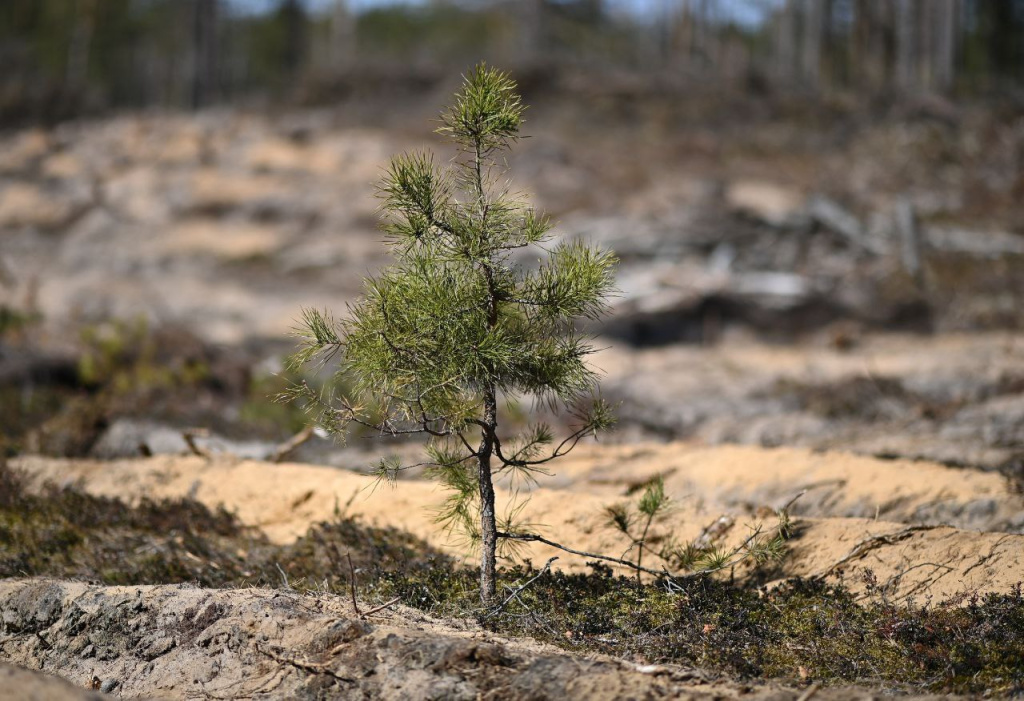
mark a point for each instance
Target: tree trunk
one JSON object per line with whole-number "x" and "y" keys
{"x": 906, "y": 45}
{"x": 785, "y": 43}
{"x": 810, "y": 53}
{"x": 530, "y": 14}
{"x": 76, "y": 72}
{"x": 204, "y": 68}
{"x": 343, "y": 35}
{"x": 488, "y": 522}
{"x": 294, "y": 18}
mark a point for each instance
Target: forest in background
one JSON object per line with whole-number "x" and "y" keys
{"x": 65, "y": 58}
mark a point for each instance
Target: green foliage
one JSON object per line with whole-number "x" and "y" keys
{"x": 455, "y": 314}
{"x": 446, "y": 31}
{"x": 126, "y": 357}
{"x": 268, "y": 417}
{"x": 639, "y": 524}
{"x": 458, "y": 320}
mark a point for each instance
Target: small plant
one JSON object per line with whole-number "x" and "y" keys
{"x": 456, "y": 325}
{"x": 703, "y": 555}
{"x": 636, "y": 526}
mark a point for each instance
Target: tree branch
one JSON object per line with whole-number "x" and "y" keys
{"x": 531, "y": 538}
{"x": 558, "y": 452}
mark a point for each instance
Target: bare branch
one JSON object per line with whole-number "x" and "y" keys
{"x": 515, "y": 594}
{"x": 285, "y": 449}
{"x": 532, "y": 537}
{"x": 558, "y": 452}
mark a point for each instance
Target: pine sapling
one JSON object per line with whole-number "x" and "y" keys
{"x": 456, "y": 324}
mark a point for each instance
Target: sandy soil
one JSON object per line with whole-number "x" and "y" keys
{"x": 177, "y": 641}
{"x": 902, "y": 542}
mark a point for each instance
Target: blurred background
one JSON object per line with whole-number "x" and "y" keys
{"x": 819, "y": 206}
{"x": 64, "y": 58}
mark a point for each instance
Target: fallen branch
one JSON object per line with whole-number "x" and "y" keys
{"x": 868, "y": 544}
{"x": 834, "y": 217}
{"x": 533, "y": 538}
{"x": 515, "y": 594}
{"x": 304, "y": 665}
{"x": 378, "y": 609}
{"x": 190, "y": 436}
{"x": 4, "y": 641}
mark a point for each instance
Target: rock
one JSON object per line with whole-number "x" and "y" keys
{"x": 228, "y": 241}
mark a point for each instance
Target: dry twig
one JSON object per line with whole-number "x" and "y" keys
{"x": 304, "y": 665}
{"x": 868, "y": 544}
{"x": 515, "y": 594}
{"x": 378, "y": 609}
{"x": 285, "y": 449}
{"x": 190, "y": 436}
{"x": 352, "y": 585}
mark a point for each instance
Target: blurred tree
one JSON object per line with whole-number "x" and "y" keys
{"x": 61, "y": 57}
{"x": 205, "y": 53}
{"x": 81, "y": 41}
{"x": 293, "y": 16}
{"x": 815, "y": 15}
{"x": 342, "y": 36}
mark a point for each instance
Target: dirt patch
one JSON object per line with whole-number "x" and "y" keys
{"x": 150, "y": 641}
{"x": 954, "y": 399}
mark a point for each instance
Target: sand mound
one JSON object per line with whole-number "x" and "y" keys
{"x": 904, "y": 551}
{"x": 837, "y": 484}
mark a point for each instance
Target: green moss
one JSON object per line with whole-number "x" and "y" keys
{"x": 800, "y": 631}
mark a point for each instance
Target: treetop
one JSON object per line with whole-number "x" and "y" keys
{"x": 487, "y": 111}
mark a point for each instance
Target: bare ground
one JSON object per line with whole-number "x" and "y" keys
{"x": 179, "y": 641}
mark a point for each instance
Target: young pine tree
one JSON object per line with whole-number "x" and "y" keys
{"x": 455, "y": 324}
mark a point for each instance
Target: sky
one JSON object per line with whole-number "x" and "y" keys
{"x": 745, "y": 12}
